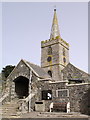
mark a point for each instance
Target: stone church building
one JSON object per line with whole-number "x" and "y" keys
{"x": 56, "y": 85}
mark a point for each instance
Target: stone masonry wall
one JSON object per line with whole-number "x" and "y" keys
{"x": 79, "y": 96}
{"x": 70, "y": 72}
{"x": 57, "y": 63}
{"x": 46, "y": 85}
{"x": 20, "y": 70}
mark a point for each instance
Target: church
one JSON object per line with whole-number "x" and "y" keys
{"x": 55, "y": 86}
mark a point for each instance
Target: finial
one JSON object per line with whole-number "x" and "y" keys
{"x": 54, "y": 7}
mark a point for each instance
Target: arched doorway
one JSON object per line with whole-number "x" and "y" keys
{"x": 22, "y": 86}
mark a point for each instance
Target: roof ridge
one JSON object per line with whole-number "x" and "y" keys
{"x": 30, "y": 62}
{"x": 29, "y": 66}
{"x": 77, "y": 68}
{"x": 37, "y": 69}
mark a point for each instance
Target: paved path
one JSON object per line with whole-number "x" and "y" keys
{"x": 45, "y": 119}
{"x": 53, "y": 115}
{"x": 50, "y": 116}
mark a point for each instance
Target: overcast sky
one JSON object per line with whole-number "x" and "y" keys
{"x": 25, "y": 25}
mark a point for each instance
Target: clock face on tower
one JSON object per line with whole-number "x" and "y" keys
{"x": 49, "y": 58}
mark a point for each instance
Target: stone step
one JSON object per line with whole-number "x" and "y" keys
{"x": 9, "y": 106}
{"x": 3, "y": 107}
{"x": 9, "y": 103}
{"x": 9, "y": 113}
{"x": 9, "y": 109}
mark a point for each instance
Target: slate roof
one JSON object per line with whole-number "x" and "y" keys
{"x": 71, "y": 66}
{"x": 73, "y": 73}
{"x": 41, "y": 73}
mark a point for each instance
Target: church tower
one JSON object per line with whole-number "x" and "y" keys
{"x": 54, "y": 52}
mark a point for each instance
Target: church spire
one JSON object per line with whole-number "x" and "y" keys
{"x": 55, "y": 28}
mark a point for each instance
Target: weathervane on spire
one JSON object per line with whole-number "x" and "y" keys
{"x": 54, "y": 7}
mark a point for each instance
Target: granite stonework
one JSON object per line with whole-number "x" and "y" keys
{"x": 77, "y": 94}
{"x": 20, "y": 70}
{"x": 70, "y": 72}
{"x": 56, "y": 64}
{"x": 55, "y": 86}
{"x": 79, "y": 97}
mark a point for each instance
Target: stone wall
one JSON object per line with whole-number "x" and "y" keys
{"x": 79, "y": 96}
{"x": 56, "y": 64}
{"x": 54, "y": 86}
{"x": 70, "y": 72}
{"x": 20, "y": 70}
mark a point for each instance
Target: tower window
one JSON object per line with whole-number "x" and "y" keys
{"x": 50, "y": 73}
{"x": 64, "y": 60}
{"x": 63, "y": 51}
{"x": 50, "y": 50}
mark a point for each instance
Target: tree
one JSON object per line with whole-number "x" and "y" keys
{"x": 7, "y": 70}
{"x": 5, "y": 73}
{"x": 0, "y": 83}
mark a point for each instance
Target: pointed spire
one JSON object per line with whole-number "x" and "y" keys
{"x": 55, "y": 28}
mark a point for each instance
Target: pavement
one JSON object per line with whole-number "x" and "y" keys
{"x": 50, "y": 116}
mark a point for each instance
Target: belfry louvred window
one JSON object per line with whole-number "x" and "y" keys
{"x": 63, "y": 51}
{"x": 50, "y": 50}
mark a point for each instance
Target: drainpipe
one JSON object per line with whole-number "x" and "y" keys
{"x": 30, "y": 90}
{"x": 68, "y": 107}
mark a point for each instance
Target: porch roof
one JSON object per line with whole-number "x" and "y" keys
{"x": 37, "y": 69}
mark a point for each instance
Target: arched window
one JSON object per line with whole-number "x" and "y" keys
{"x": 64, "y": 60}
{"x": 63, "y": 51}
{"x": 50, "y": 73}
{"x": 50, "y": 50}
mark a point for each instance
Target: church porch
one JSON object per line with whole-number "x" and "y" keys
{"x": 21, "y": 87}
